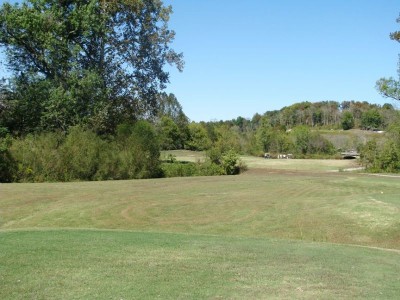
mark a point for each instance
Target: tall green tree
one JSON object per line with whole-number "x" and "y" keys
{"x": 264, "y": 134}
{"x": 170, "y": 108}
{"x": 198, "y": 140}
{"x": 103, "y": 59}
{"x": 347, "y": 120}
{"x": 390, "y": 87}
{"x": 371, "y": 119}
{"x": 169, "y": 134}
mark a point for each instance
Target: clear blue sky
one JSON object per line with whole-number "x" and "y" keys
{"x": 247, "y": 57}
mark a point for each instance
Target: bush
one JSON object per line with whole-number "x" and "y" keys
{"x": 7, "y": 163}
{"x": 230, "y": 163}
{"x": 389, "y": 157}
{"x": 320, "y": 145}
{"x": 179, "y": 169}
{"x": 38, "y": 158}
{"x": 81, "y": 154}
{"x": 209, "y": 169}
{"x": 383, "y": 157}
{"x": 143, "y": 151}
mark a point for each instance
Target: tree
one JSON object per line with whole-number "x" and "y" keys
{"x": 302, "y": 137}
{"x": 390, "y": 87}
{"x": 103, "y": 59}
{"x": 227, "y": 138}
{"x": 169, "y": 107}
{"x": 199, "y": 139}
{"x": 169, "y": 135}
{"x": 264, "y": 134}
{"x": 371, "y": 119}
{"x": 347, "y": 120}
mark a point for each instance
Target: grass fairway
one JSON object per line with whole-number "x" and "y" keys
{"x": 273, "y": 232}
{"x": 127, "y": 265}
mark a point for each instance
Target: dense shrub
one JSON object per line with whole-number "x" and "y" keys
{"x": 7, "y": 163}
{"x": 384, "y": 156}
{"x": 81, "y": 154}
{"x": 179, "y": 169}
{"x": 381, "y": 158}
{"x": 38, "y": 157}
{"x": 230, "y": 163}
{"x": 320, "y": 145}
{"x": 84, "y": 155}
{"x": 217, "y": 163}
{"x": 139, "y": 151}
{"x": 389, "y": 157}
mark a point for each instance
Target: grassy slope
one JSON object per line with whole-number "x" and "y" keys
{"x": 351, "y": 139}
{"x": 205, "y": 237}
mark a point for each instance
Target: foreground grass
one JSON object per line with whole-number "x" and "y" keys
{"x": 81, "y": 264}
{"x": 325, "y": 207}
{"x": 277, "y": 231}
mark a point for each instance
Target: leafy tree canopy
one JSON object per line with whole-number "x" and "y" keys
{"x": 390, "y": 87}
{"x": 102, "y": 61}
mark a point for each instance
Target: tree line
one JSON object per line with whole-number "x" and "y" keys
{"x": 85, "y": 101}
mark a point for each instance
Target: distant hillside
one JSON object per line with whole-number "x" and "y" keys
{"x": 351, "y": 139}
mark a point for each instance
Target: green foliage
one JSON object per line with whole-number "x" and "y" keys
{"x": 320, "y": 145}
{"x": 171, "y": 123}
{"x": 198, "y": 138}
{"x": 347, "y": 120}
{"x": 178, "y": 169}
{"x": 39, "y": 157}
{"x": 97, "y": 62}
{"x": 371, "y": 119}
{"x": 138, "y": 151}
{"x": 389, "y": 87}
{"x": 390, "y": 157}
{"x": 7, "y": 163}
{"x": 187, "y": 169}
{"x": 84, "y": 155}
{"x": 230, "y": 163}
{"x": 383, "y": 157}
{"x": 81, "y": 154}
{"x": 169, "y": 134}
{"x": 264, "y": 135}
{"x": 302, "y": 137}
{"x": 227, "y": 138}
{"x": 306, "y": 142}
{"x": 369, "y": 154}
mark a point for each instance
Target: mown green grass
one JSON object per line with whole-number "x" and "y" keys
{"x": 81, "y": 264}
{"x": 328, "y": 207}
{"x": 272, "y": 232}
{"x": 184, "y": 155}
